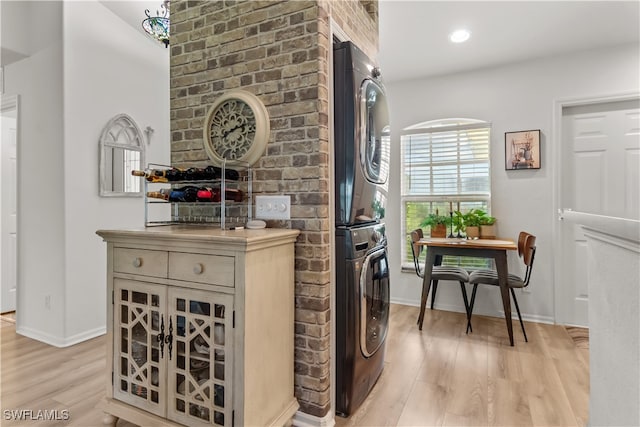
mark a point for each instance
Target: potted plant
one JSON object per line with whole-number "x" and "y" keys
{"x": 438, "y": 224}
{"x": 458, "y": 222}
{"x": 487, "y": 227}
{"x": 471, "y": 221}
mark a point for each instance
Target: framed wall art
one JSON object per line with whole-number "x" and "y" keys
{"x": 522, "y": 149}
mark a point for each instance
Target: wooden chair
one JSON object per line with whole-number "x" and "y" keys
{"x": 439, "y": 272}
{"x": 526, "y": 251}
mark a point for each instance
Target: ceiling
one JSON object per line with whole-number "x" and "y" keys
{"x": 132, "y": 11}
{"x": 414, "y": 34}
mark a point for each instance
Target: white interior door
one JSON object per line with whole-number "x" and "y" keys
{"x": 8, "y": 211}
{"x": 601, "y": 175}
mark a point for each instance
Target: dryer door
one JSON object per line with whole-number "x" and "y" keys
{"x": 375, "y": 133}
{"x": 374, "y": 301}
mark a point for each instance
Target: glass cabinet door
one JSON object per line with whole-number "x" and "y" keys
{"x": 200, "y": 363}
{"x": 139, "y": 371}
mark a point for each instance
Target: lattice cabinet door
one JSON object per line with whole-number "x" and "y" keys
{"x": 201, "y": 370}
{"x": 140, "y": 352}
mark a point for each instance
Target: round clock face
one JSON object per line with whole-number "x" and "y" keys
{"x": 236, "y": 128}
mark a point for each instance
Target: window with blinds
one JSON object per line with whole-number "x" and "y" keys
{"x": 445, "y": 165}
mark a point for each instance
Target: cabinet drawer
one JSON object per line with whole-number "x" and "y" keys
{"x": 213, "y": 269}
{"x": 140, "y": 261}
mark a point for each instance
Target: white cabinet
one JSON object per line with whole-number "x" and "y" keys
{"x": 200, "y": 326}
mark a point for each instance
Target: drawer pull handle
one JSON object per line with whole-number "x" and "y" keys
{"x": 198, "y": 268}
{"x": 137, "y": 262}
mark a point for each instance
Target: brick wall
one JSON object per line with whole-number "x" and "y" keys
{"x": 278, "y": 50}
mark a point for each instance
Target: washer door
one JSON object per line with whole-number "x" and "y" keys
{"x": 375, "y": 133}
{"x": 374, "y": 301}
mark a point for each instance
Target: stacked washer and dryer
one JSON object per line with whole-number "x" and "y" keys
{"x": 362, "y": 150}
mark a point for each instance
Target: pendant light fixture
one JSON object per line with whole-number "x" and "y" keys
{"x": 158, "y": 26}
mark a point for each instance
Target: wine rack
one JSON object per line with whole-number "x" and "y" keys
{"x": 225, "y": 214}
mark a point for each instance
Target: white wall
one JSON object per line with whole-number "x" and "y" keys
{"x": 37, "y": 80}
{"x": 515, "y": 97}
{"x": 109, "y": 68}
{"x": 100, "y": 67}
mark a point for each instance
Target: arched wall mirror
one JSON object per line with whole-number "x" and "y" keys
{"x": 121, "y": 151}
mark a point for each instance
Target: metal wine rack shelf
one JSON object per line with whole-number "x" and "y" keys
{"x": 225, "y": 214}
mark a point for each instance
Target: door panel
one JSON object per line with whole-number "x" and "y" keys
{"x": 590, "y": 167}
{"x": 631, "y": 161}
{"x": 632, "y": 183}
{"x": 601, "y": 164}
{"x": 9, "y": 214}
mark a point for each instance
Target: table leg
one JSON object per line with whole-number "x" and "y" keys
{"x": 503, "y": 273}
{"x": 426, "y": 283}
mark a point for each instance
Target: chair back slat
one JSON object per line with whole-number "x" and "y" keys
{"x": 522, "y": 238}
{"x": 416, "y": 249}
{"x": 529, "y": 250}
{"x": 528, "y": 256}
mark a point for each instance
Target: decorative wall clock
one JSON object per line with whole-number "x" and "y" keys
{"x": 236, "y": 128}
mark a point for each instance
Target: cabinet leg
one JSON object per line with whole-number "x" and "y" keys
{"x": 109, "y": 420}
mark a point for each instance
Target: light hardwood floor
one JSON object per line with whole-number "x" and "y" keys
{"x": 36, "y": 376}
{"x": 443, "y": 377}
{"x": 439, "y": 376}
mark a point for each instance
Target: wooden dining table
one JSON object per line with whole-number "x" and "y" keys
{"x": 479, "y": 248}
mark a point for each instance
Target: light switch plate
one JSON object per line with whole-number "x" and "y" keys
{"x": 273, "y": 207}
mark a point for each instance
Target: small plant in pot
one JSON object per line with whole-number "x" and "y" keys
{"x": 487, "y": 227}
{"x": 437, "y": 223}
{"x": 458, "y": 223}
{"x": 472, "y": 223}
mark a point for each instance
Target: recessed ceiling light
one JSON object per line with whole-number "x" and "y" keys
{"x": 459, "y": 36}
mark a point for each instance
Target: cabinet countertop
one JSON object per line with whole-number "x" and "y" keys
{"x": 201, "y": 234}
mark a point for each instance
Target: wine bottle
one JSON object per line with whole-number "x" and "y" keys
{"x": 211, "y": 172}
{"x": 158, "y": 195}
{"x": 206, "y": 194}
{"x": 193, "y": 194}
{"x": 194, "y": 174}
{"x": 214, "y": 172}
{"x": 151, "y": 175}
{"x": 230, "y": 174}
{"x": 184, "y": 194}
{"x": 174, "y": 174}
{"x": 230, "y": 194}
{"x": 234, "y": 194}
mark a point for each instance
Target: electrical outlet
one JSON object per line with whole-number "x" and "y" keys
{"x": 47, "y": 302}
{"x": 273, "y": 207}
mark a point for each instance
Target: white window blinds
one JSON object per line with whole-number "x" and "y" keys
{"x": 449, "y": 163}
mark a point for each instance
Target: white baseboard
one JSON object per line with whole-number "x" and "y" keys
{"x": 439, "y": 306}
{"x": 58, "y": 341}
{"x": 575, "y": 325}
{"x": 405, "y": 301}
{"x": 300, "y": 419}
{"x": 477, "y": 311}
